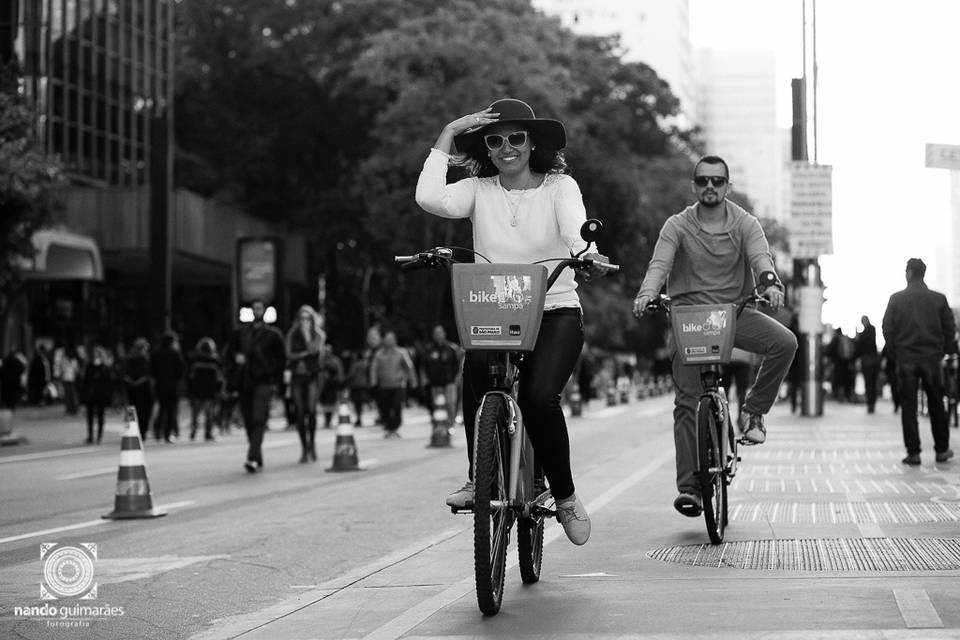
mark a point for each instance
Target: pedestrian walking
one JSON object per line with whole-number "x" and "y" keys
{"x": 258, "y": 349}
{"x": 442, "y": 363}
{"x": 841, "y": 353}
{"x": 66, "y": 369}
{"x": 358, "y": 383}
{"x": 38, "y": 376}
{"x": 168, "y": 370}
{"x": 390, "y": 371}
{"x": 919, "y": 328}
{"x": 138, "y": 383}
{"x": 869, "y": 360}
{"x": 11, "y": 379}
{"x": 889, "y": 368}
{"x": 331, "y": 382}
{"x": 204, "y": 382}
{"x": 97, "y": 392}
{"x": 304, "y": 343}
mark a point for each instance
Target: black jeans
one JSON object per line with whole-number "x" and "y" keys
{"x": 930, "y": 373}
{"x": 255, "y": 408}
{"x": 543, "y": 374}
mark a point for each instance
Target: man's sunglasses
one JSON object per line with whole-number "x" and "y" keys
{"x": 716, "y": 181}
{"x": 516, "y": 139}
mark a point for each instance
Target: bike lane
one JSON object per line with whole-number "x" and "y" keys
{"x": 829, "y": 536}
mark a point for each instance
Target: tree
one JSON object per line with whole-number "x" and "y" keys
{"x": 29, "y": 185}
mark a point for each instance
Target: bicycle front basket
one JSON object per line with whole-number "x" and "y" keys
{"x": 704, "y": 332}
{"x": 498, "y": 306}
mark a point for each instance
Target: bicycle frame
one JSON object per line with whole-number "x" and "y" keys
{"x": 711, "y": 380}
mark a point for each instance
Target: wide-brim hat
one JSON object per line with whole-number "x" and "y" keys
{"x": 547, "y": 132}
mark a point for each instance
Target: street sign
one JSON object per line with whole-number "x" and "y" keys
{"x": 943, "y": 156}
{"x": 811, "y": 210}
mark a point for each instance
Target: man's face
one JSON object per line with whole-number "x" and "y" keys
{"x": 258, "y": 309}
{"x": 710, "y": 184}
{"x": 439, "y": 335}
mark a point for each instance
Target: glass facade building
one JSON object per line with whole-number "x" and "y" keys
{"x": 95, "y": 72}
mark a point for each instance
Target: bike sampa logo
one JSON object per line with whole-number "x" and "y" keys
{"x": 508, "y": 292}
{"x": 715, "y": 322}
{"x": 68, "y": 571}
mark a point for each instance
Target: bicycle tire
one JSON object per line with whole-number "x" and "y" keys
{"x": 530, "y": 540}
{"x": 713, "y": 488}
{"x": 491, "y": 524}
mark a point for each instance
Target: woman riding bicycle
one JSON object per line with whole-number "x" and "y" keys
{"x": 523, "y": 209}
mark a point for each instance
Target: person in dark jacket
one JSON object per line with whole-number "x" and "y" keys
{"x": 168, "y": 370}
{"x": 138, "y": 383}
{"x": 204, "y": 381}
{"x": 97, "y": 391}
{"x": 11, "y": 380}
{"x": 919, "y": 328}
{"x": 866, "y": 349}
{"x": 38, "y": 376}
{"x": 259, "y": 350}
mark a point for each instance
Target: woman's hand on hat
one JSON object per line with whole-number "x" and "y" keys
{"x": 473, "y": 121}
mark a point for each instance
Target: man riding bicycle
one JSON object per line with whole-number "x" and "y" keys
{"x": 708, "y": 253}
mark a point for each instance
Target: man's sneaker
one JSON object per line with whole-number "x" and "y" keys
{"x": 573, "y": 516}
{"x": 754, "y": 431}
{"x": 689, "y": 504}
{"x": 459, "y": 499}
{"x": 913, "y": 459}
{"x": 943, "y": 456}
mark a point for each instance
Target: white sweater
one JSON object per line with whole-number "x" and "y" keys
{"x": 548, "y": 219}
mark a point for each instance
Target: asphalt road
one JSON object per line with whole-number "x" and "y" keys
{"x": 830, "y": 537}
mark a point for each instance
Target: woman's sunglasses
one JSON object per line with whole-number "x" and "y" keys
{"x": 516, "y": 139}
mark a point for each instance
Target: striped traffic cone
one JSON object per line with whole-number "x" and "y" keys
{"x": 133, "y": 491}
{"x": 576, "y": 400}
{"x": 440, "y": 419}
{"x": 345, "y": 449}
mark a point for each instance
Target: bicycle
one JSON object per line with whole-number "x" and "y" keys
{"x": 498, "y": 309}
{"x": 704, "y": 336}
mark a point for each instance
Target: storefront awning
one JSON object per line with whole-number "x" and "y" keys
{"x": 63, "y": 255}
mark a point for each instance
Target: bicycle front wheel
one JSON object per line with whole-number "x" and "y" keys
{"x": 491, "y": 513}
{"x": 713, "y": 487}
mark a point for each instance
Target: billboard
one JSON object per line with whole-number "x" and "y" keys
{"x": 258, "y": 270}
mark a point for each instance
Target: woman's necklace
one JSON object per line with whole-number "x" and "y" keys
{"x": 516, "y": 197}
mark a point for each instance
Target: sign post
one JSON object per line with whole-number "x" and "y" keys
{"x": 811, "y": 236}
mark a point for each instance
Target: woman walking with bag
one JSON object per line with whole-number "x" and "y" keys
{"x": 304, "y": 344}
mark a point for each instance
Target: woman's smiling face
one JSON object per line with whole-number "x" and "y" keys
{"x": 508, "y": 158}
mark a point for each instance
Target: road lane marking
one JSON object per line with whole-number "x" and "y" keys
{"x": 916, "y": 609}
{"x": 393, "y": 629}
{"x": 26, "y": 457}
{"x": 88, "y": 523}
{"x": 87, "y": 474}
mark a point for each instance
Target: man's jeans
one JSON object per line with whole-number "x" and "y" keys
{"x": 757, "y": 333}
{"x": 930, "y": 373}
{"x": 255, "y": 408}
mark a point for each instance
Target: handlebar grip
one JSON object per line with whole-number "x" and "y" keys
{"x": 405, "y": 259}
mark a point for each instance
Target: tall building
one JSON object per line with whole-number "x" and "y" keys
{"x": 737, "y": 111}
{"x": 99, "y": 78}
{"x": 655, "y": 32}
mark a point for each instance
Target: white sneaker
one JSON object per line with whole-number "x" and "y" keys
{"x": 573, "y": 516}
{"x": 459, "y": 498}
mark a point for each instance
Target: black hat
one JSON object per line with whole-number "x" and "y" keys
{"x": 547, "y": 132}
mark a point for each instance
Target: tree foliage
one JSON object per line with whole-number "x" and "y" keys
{"x": 29, "y": 185}
{"x": 322, "y": 112}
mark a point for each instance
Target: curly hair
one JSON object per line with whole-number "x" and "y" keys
{"x": 543, "y": 159}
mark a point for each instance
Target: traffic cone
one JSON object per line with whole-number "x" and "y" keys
{"x": 576, "y": 400}
{"x": 133, "y": 491}
{"x": 345, "y": 449}
{"x": 440, "y": 417}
